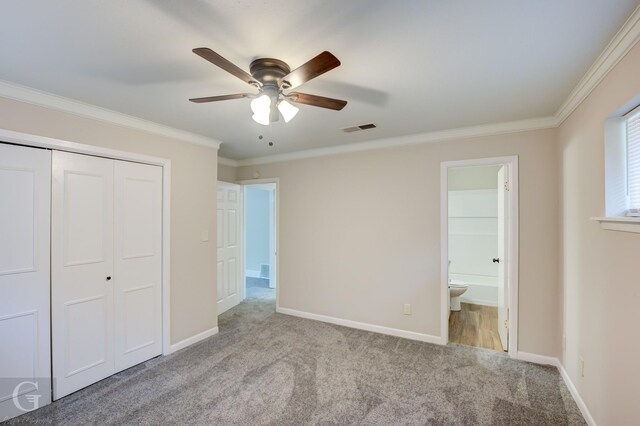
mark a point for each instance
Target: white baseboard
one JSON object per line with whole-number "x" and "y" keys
{"x": 479, "y": 302}
{"x": 576, "y": 396}
{"x": 538, "y": 359}
{"x": 193, "y": 339}
{"x": 548, "y": 360}
{"x": 363, "y": 326}
{"x": 252, "y": 274}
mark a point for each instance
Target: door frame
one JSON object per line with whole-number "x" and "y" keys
{"x": 512, "y": 227}
{"x": 276, "y": 231}
{"x": 26, "y": 139}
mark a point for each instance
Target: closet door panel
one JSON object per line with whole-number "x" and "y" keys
{"x": 81, "y": 270}
{"x": 138, "y": 263}
{"x": 25, "y": 363}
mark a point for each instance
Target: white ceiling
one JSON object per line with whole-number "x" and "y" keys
{"x": 408, "y": 66}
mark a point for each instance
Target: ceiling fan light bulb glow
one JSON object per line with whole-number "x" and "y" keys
{"x": 261, "y": 105}
{"x": 287, "y": 110}
{"x": 261, "y": 118}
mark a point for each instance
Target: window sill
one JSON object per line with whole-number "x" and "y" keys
{"x": 621, "y": 223}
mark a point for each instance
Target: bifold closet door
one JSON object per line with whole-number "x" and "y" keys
{"x": 25, "y": 362}
{"x": 138, "y": 263}
{"x": 81, "y": 271}
{"x": 106, "y": 267}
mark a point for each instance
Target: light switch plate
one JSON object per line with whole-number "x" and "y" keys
{"x": 205, "y": 236}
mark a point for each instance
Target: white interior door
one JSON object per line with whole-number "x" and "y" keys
{"x": 503, "y": 289}
{"x": 25, "y": 363}
{"x": 138, "y": 263}
{"x": 228, "y": 247}
{"x": 81, "y": 271}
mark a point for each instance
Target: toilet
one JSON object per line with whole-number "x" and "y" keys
{"x": 455, "y": 291}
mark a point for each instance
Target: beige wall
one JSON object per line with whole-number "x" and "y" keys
{"x": 600, "y": 269}
{"x": 360, "y": 233}
{"x": 193, "y": 202}
{"x": 226, "y": 173}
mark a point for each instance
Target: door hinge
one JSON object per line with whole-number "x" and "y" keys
{"x": 506, "y": 185}
{"x": 506, "y": 322}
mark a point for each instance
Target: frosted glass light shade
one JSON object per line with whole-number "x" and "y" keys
{"x": 287, "y": 110}
{"x": 261, "y": 118}
{"x": 261, "y": 107}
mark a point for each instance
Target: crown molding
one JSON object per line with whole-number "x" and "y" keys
{"x": 620, "y": 45}
{"x": 420, "y": 138}
{"x": 617, "y": 48}
{"x": 49, "y": 100}
{"x": 227, "y": 161}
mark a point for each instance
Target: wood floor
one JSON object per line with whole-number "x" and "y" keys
{"x": 475, "y": 325}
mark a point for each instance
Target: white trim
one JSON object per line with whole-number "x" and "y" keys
{"x": 244, "y": 184}
{"x": 32, "y": 96}
{"x": 622, "y": 223}
{"x": 192, "y": 340}
{"x": 619, "y": 46}
{"x": 61, "y": 145}
{"x": 420, "y": 138}
{"x": 555, "y": 362}
{"x": 537, "y": 359}
{"x": 513, "y": 226}
{"x": 227, "y": 161}
{"x": 249, "y": 273}
{"x": 576, "y": 396}
{"x": 363, "y": 326}
{"x": 166, "y": 257}
{"x": 483, "y": 302}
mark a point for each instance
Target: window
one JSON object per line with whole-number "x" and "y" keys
{"x": 633, "y": 159}
{"x": 622, "y": 169}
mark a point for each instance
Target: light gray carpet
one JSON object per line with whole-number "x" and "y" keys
{"x": 257, "y": 282}
{"x": 268, "y": 368}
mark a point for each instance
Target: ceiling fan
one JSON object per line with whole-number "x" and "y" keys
{"x": 271, "y": 77}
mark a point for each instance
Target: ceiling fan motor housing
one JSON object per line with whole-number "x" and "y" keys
{"x": 269, "y": 71}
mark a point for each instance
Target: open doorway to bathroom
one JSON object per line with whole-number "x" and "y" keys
{"x": 480, "y": 262}
{"x": 260, "y": 241}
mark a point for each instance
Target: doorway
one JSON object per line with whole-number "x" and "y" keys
{"x": 479, "y": 253}
{"x": 259, "y": 257}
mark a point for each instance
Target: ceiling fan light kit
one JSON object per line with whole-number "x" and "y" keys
{"x": 287, "y": 110}
{"x": 271, "y": 77}
{"x": 261, "y": 107}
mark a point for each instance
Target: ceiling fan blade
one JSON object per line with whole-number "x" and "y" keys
{"x": 317, "y": 66}
{"x": 315, "y": 100}
{"x": 215, "y": 59}
{"x": 220, "y": 98}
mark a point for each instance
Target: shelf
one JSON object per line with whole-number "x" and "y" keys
{"x": 621, "y": 223}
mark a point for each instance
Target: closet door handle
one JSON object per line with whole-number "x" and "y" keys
{"x": 496, "y": 260}
{"x": 108, "y": 278}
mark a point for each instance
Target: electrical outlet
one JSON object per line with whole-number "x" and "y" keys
{"x": 407, "y": 309}
{"x": 581, "y": 366}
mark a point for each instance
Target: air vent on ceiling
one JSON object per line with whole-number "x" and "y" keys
{"x": 358, "y": 128}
